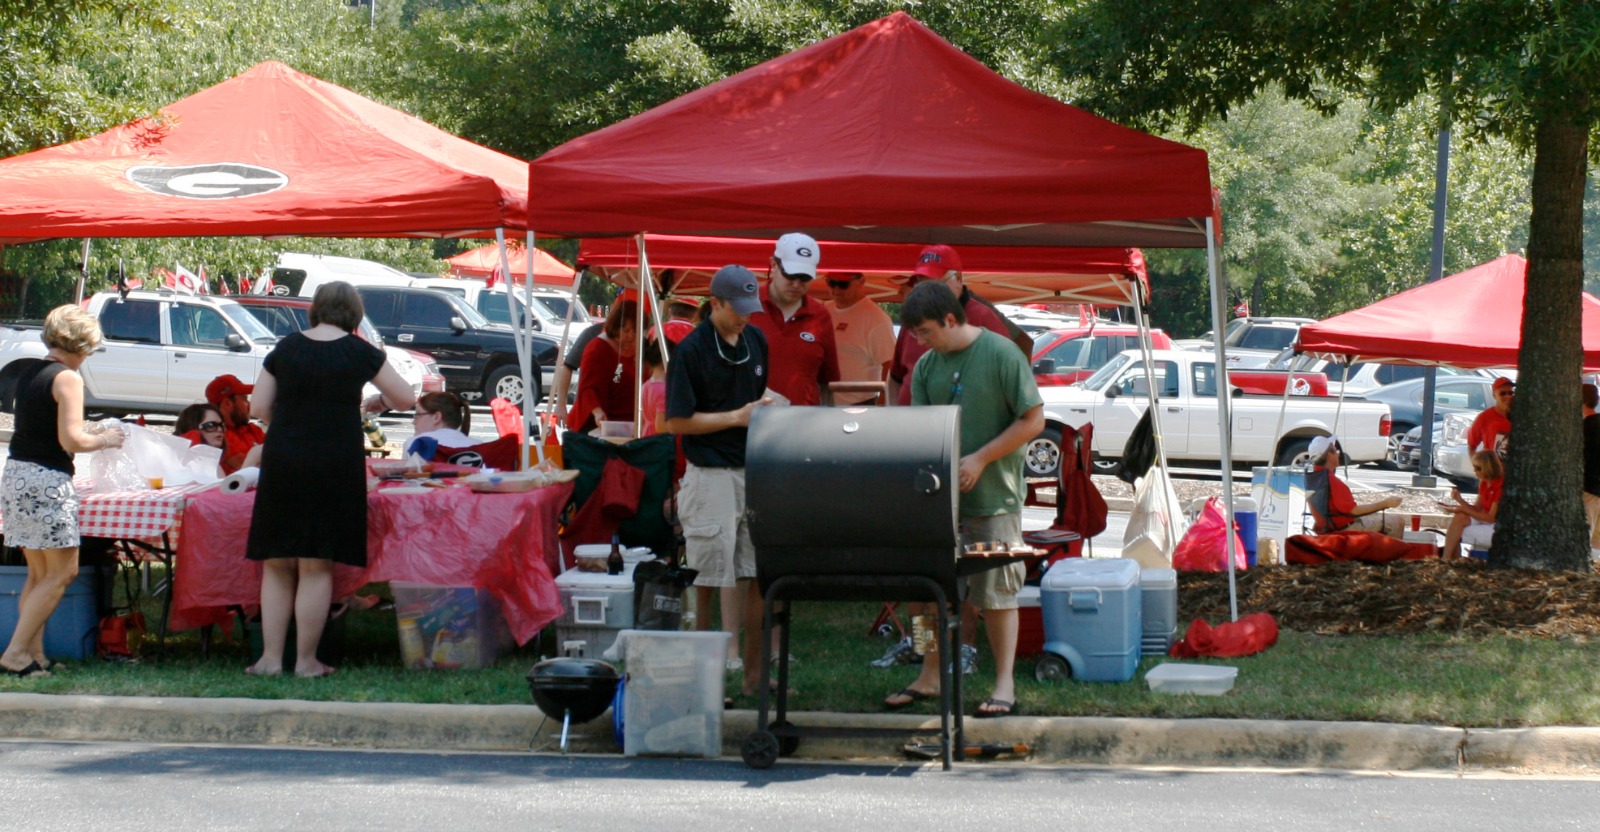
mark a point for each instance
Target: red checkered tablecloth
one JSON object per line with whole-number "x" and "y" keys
{"x": 135, "y": 514}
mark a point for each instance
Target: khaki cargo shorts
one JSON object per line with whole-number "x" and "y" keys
{"x": 716, "y": 535}
{"x": 994, "y": 589}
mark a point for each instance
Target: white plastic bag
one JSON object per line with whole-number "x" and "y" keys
{"x": 113, "y": 469}
{"x": 1156, "y": 523}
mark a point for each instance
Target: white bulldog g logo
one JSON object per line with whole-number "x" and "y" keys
{"x": 218, "y": 180}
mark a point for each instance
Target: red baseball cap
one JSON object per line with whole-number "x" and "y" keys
{"x": 934, "y": 261}
{"x": 1504, "y": 382}
{"x": 223, "y": 387}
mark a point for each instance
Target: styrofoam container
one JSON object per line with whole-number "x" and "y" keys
{"x": 1202, "y": 679}
{"x": 1093, "y": 613}
{"x": 1159, "y": 588}
{"x": 72, "y": 630}
{"x": 673, "y": 698}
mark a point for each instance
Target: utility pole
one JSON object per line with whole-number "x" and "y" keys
{"x": 1424, "y": 477}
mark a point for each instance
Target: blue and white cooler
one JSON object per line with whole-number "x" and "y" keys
{"x": 1093, "y": 620}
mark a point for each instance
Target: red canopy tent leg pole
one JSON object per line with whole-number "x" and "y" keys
{"x": 647, "y": 296}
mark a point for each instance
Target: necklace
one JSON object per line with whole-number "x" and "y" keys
{"x": 955, "y": 377}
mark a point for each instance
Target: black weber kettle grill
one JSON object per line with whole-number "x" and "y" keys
{"x": 854, "y": 504}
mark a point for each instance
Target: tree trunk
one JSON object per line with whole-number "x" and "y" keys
{"x": 1541, "y": 522}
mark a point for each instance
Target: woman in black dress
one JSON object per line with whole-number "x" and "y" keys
{"x": 36, "y": 494}
{"x": 311, "y": 503}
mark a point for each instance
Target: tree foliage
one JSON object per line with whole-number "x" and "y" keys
{"x": 1528, "y": 72}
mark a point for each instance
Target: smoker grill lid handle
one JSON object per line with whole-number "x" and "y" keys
{"x": 929, "y": 482}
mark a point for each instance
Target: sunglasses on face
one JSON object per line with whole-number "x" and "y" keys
{"x": 840, "y": 284}
{"x": 210, "y": 426}
{"x": 1505, "y": 394}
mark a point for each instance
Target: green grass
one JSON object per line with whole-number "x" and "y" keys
{"x": 1499, "y": 681}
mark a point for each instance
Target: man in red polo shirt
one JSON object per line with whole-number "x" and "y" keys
{"x": 937, "y": 263}
{"x": 802, "y": 357}
{"x": 1492, "y": 428}
{"x": 231, "y": 398}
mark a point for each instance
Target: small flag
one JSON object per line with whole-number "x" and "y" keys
{"x": 185, "y": 281}
{"x": 497, "y": 275}
{"x": 1242, "y": 310}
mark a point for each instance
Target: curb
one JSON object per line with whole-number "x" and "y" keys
{"x": 1053, "y": 740}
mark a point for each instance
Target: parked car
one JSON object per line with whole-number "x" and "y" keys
{"x": 1362, "y": 377}
{"x": 284, "y": 315}
{"x": 478, "y": 359}
{"x": 1267, "y": 429}
{"x": 1464, "y": 394}
{"x": 496, "y": 304}
{"x": 161, "y": 349}
{"x": 1253, "y": 342}
{"x": 1071, "y": 354}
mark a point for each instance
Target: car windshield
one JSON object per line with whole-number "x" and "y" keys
{"x": 1104, "y": 375}
{"x": 559, "y": 303}
{"x": 467, "y": 313}
{"x": 253, "y": 329}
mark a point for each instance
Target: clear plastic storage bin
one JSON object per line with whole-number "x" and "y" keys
{"x": 672, "y": 705}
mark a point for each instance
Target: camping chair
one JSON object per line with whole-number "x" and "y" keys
{"x": 649, "y": 526}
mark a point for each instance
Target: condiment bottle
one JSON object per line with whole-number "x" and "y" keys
{"x": 614, "y": 560}
{"x": 375, "y": 437}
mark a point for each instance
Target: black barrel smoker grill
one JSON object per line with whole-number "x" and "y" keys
{"x": 854, "y": 504}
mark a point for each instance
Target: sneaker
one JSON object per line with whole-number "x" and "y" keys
{"x": 969, "y": 660}
{"x": 901, "y": 653}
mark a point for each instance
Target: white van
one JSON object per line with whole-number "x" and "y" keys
{"x": 492, "y": 303}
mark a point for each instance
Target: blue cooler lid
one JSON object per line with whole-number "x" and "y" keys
{"x": 1107, "y": 573}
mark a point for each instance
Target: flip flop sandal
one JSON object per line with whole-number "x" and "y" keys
{"x": 912, "y": 697}
{"x": 999, "y": 708}
{"x": 33, "y": 669}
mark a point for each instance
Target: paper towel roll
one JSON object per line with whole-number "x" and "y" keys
{"x": 242, "y": 480}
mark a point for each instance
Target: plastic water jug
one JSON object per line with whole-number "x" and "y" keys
{"x": 1244, "y": 514}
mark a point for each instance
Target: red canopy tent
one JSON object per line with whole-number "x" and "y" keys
{"x": 483, "y": 261}
{"x": 883, "y": 133}
{"x": 1472, "y": 319}
{"x": 684, "y": 265}
{"x": 271, "y": 152}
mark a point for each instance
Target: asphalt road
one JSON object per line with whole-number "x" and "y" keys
{"x": 68, "y": 786}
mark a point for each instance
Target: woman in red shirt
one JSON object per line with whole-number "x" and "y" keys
{"x": 606, "y": 376}
{"x": 1344, "y": 514}
{"x": 1474, "y": 524}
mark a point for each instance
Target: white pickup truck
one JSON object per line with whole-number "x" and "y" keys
{"x": 1116, "y": 396}
{"x": 161, "y": 350}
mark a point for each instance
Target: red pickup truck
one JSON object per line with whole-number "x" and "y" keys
{"x": 1072, "y": 354}
{"x": 1270, "y": 382}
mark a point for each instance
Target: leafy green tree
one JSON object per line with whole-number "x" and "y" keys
{"x": 526, "y": 75}
{"x": 1525, "y": 71}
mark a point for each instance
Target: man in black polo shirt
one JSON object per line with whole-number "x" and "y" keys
{"x": 718, "y": 377}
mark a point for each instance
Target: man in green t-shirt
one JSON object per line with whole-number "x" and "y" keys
{"x": 990, "y": 380}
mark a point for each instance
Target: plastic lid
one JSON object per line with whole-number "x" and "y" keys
{"x": 1103, "y": 572}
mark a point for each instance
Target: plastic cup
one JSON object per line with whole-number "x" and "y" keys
{"x": 1416, "y": 522}
{"x": 156, "y": 483}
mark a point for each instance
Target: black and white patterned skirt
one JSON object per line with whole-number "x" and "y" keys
{"x": 39, "y": 507}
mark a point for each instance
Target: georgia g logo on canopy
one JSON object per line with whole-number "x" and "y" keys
{"x": 217, "y": 180}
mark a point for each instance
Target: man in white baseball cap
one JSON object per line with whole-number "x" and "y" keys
{"x": 799, "y": 330}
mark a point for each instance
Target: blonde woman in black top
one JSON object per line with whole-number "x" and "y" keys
{"x": 37, "y": 499}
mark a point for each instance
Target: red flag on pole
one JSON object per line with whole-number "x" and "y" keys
{"x": 1242, "y": 310}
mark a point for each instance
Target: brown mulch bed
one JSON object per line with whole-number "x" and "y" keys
{"x": 1401, "y": 598}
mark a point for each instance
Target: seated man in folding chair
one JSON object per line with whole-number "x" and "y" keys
{"x": 1334, "y": 508}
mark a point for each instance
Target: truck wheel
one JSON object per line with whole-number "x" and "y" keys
{"x": 1042, "y": 455}
{"x": 1393, "y": 462}
{"x": 1295, "y": 452}
{"x": 505, "y": 382}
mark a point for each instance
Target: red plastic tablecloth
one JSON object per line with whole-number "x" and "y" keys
{"x": 504, "y": 543}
